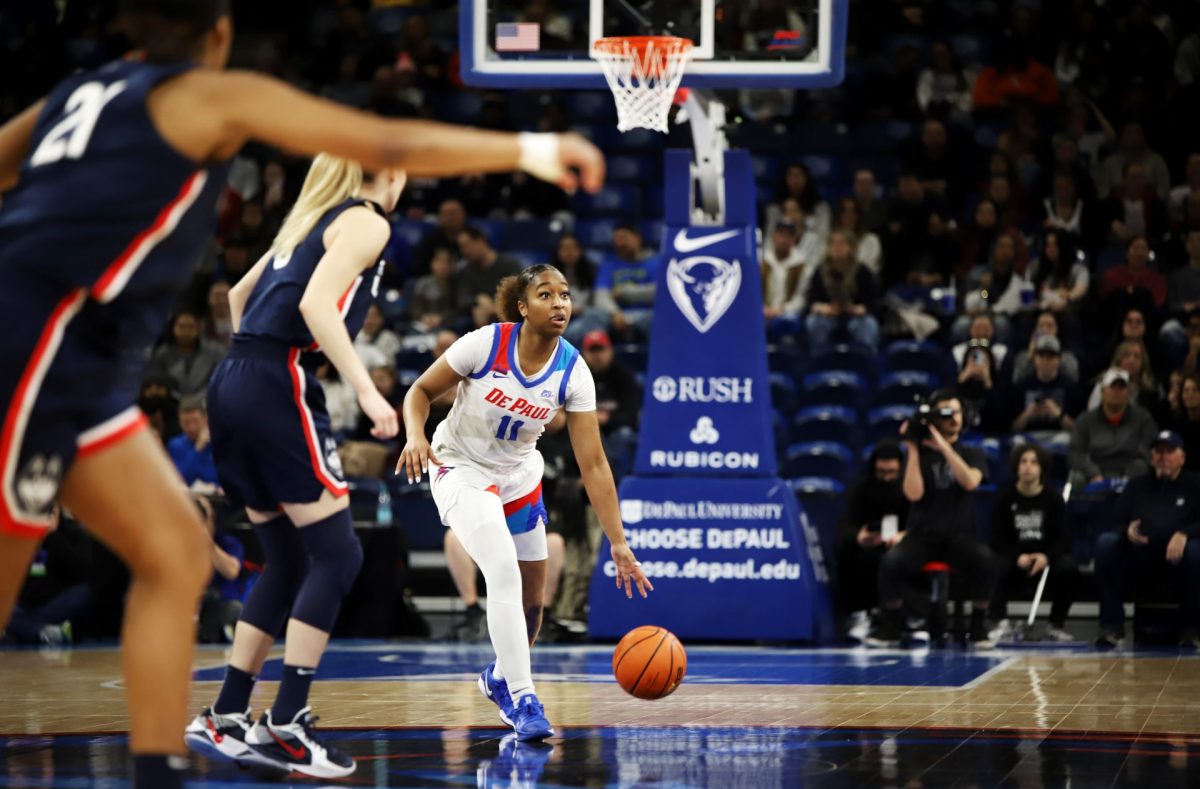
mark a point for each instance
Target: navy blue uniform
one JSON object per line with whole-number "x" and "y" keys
{"x": 271, "y": 434}
{"x": 103, "y": 229}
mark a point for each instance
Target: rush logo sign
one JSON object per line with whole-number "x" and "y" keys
{"x": 517, "y": 405}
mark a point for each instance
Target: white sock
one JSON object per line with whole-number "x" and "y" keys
{"x": 497, "y": 672}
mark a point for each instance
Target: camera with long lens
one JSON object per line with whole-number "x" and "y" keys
{"x": 918, "y": 427}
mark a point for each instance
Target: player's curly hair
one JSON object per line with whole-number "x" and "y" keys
{"x": 511, "y": 290}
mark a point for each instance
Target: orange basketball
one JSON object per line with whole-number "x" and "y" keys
{"x": 649, "y": 662}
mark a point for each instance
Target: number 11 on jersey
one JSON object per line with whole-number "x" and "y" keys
{"x": 506, "y": 428}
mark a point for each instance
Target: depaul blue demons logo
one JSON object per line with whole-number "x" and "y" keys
{"x": 703, "y": 286}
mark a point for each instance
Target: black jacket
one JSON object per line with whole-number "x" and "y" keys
{"x": 1164, "y": 506}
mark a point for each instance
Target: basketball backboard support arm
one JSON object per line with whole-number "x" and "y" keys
{"x": 706, "y": 115}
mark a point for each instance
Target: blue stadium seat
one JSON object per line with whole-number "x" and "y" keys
{"x": 833, "y": 387}
{"x": 783, "y": 392}
{"x": 496, "y": 230}
{"x": 818, "y": 459}
{"x": 652, "y": 231}
{"x": 824, "y": 169}
{"x": 816, "y": 485}
{"x": 855, "y": 358}
{"x": 364, "y": 498}
{"x": 457, "y": 106}
{"x": 885, "y": 422}
{"x": 826, "y": 423}
{"x": 904, "y": 387}
{"x": 414, "y": 511}
{"x": 590, "y": 106}
{"x": 413, "y": 359}
{"x": 925, "y": 356}
{"x": 634, "y": 168}
{"x": 653, "y": 196}
{"x": 766, "y": 169}
{"x": 823, "y": 499}
{"x": 406, "y": 234}
{"x": 623, "y": 200}
{"x": 528, "y": 257}
{"x": 596, "y": 233}
{"x": 632, "y": 355}
{"x": 540, "y": 234}
{"x": 991, "y": 448}
{"x": 787, "y": 358}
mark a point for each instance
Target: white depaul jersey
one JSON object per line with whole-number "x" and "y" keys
{"x": 499, "y": 413}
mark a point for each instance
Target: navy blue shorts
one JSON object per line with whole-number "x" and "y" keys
{"x": 271, "y": 437}
{"x": 65, "y": 394}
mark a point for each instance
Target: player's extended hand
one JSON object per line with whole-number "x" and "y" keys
{"x": 582, "y": 163}
{"x": 415, "y": 458}
{"x": 385, "y": 423}
{"x": 1175, "y": 547}
{"x": 629, "y": 571}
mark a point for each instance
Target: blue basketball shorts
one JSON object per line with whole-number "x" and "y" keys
{"x": 271, "y": 436}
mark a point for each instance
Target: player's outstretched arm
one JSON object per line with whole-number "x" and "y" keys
{"x": 254, "y": 106}
{"x": 433, "y": 383}
{"x": 602, "y": 492}
{"x": 15, "y": 138}
{"x": 361, "y": 235}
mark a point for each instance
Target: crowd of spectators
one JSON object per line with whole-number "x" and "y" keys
{"x": 1016, "y": 184}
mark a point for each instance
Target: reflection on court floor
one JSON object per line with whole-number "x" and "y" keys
{"x": 745, "y": 717}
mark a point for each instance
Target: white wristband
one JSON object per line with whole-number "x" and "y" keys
{"x": 539, "y": 156}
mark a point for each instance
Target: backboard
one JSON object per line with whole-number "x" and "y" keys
{"x": 739, "y": 43}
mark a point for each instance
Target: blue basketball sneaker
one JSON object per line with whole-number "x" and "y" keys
{"x": 496, "y": 691}
{"x": 529, "y": 719}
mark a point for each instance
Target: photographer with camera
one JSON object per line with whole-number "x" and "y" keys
{"x": 938, "y": 480}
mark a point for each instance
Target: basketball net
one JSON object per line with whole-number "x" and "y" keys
{"x": 644, "y": 73}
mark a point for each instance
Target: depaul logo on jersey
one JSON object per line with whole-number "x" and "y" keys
{"x": 517, "y": 405}
{"x": 703, "y": 287}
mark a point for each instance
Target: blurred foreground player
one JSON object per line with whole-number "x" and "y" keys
{"x": 111, "y": 187}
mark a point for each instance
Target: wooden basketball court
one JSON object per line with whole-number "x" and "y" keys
{"x": 412, "y": 716}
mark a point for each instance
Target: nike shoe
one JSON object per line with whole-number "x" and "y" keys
{"x": 223, "y": 737}
{"x": 1109, "y": 638}
{"x": 295, "y": 747}
{"x": 496, "y": 691}
{"x": 519, "y": 764}
{"x": 529, "y": 719}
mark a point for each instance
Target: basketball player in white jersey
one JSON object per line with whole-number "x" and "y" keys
{"x": 486, "y": 472}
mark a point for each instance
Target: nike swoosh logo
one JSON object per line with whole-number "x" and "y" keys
{"x": 685, "y": 244}
{"x": 295, "y": 753}
{"x": 306, "y": 672}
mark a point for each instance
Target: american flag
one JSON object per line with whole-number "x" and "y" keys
{"x": 518, "y": 37}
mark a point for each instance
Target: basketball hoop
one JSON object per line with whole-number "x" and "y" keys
{"x": 643, "y": 72}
